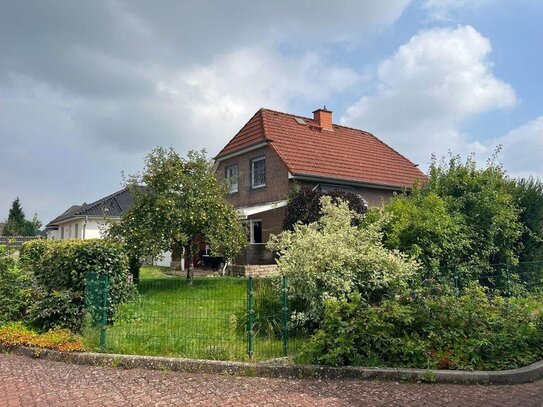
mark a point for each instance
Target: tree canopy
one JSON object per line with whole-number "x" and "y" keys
{"x": 462, "y": 215}
{"x": 18, "y": 225}
{"x": 177, "y": 201}
{"x": 304, "y": 205}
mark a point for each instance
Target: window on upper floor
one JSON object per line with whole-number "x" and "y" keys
{"x": 232, "y": 178}
{"x": 258, "y": 172}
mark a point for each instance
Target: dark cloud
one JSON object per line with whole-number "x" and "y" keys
{"x": 86, "y": 88}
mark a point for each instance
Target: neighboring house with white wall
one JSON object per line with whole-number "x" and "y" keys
{"x": 89, "y": 221}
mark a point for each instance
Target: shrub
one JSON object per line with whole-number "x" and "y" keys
{"x": 529, "y": 196}
{"x": 435, "y": 330}
{"x": 60, "y": 268}
{"x": 422, "y": 226}
{"x": 15, "y": 288}
{"x": 332, "y": 258}
{"x": 16, "y": 334}
{"x": 482, "y": 198}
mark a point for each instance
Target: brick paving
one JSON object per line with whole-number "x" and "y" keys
{"x": 35, "y": 382}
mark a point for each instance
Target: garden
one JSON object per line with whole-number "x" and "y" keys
{"x": 448, "y": 275}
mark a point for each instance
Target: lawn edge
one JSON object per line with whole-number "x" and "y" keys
{"x": 513, "y": 376}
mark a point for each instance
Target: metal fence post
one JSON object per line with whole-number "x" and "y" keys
{"x": 508, "y": 280}
{"x": 250, "y": 317}
{"x": 284, "y": 293}
{"x": 105, "y": 292}
{"x": 456, "y": 282}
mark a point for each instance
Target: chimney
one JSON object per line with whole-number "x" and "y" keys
{"x": 323, "y": 117}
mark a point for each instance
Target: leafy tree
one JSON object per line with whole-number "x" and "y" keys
{"x": 180, "y": 202}
{"x": 32, "y": 227}
{"x": 304, "y": 205}
{"x": 422, "y": 226}
{"x": 463, "y": 215}
{"x": 529, "y": 196}
{"x": 482, "y": 198}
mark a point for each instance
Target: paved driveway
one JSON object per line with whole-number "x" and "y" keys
{"x": 34, "y": 382}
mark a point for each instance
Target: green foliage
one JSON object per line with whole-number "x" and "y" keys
{"x": 483, "y": 199}
{"x": 422, "y": 226}
{"x": 17, "y": 225}
{"x": 304, "y": 205}
{"x": 431, "y": 331}
{"x": 181, "y": 201}
{"x": 332, "y": 258}
{"x": 529, "y": 196}
{"x": 59, "y": 269}
{"x": 462, "y": 215}
{"x": 15, "y": 289}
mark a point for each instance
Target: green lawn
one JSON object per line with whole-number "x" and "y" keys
{"x": 171, "y": 318}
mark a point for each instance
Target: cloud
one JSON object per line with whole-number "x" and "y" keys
{"x": 443, "y": 10}
{"x": 220, "y": 97}
{"x": 87, "y": 88}
{"x": 428, "y": 88}
{"x": 522, "y": 149}
{"x": 138, "y": 75}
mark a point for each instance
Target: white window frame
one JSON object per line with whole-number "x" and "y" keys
{"x": 253, "y": 161}
{"x": 230, "y": 178}
{"x": 76, "y": 231}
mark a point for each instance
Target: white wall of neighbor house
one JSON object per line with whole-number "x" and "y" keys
{"x": 53, "y": 234}
{"x": 92, "y": 229}
{"x": 164, "y": 262}
{"x": 78, "y": 229}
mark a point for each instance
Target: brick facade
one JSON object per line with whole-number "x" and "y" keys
{"x": 277, "y": 182}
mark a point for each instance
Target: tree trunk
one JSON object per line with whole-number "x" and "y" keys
{"x": 134, "y": 265}
{"x": 190, "y": 271}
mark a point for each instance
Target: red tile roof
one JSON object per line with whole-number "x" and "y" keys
{"x": 343, "y": 154}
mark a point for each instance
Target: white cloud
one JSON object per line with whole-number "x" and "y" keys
{"x": 428, "y": 88}
{"x": 522, "y": 149}
{"x": 215, "y": 100}
{"x": 442, "y": 10}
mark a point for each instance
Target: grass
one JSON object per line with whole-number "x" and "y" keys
{"x": 171, "y": 318}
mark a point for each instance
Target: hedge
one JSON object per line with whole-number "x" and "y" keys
{"x": 59, "y": 269}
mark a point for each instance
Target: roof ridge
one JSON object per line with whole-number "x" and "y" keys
{"x": 100, "y": 201}
{"x": 345, "y": 127}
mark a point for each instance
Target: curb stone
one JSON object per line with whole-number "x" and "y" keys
{"x": 513, "y": 376}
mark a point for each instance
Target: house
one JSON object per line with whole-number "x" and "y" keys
{"x": 87, "y": 221}
{"x": 274, "y": 152}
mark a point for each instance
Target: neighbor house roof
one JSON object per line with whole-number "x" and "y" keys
{"x": 342, "y": 154}
{"x": 112, "y": 206}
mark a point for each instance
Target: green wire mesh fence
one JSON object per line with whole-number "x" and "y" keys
{"x": 223, "y": 318}
{"x": 244, "y": 319}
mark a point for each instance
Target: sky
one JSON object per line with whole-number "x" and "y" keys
{"x": 87, "y": 89}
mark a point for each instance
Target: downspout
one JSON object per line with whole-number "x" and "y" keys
{"x": 85, "y": 226}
